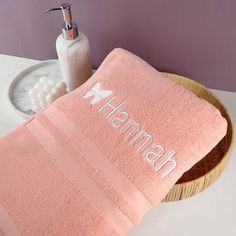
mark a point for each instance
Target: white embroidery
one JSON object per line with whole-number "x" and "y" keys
{"x": 142, "y": 140}
{"x": 163, "y": 163}
{"x": 109, "y": 105}
{"x": 152, "y": 156}
{"x": 147, "y": 140}
{"x": 97, "y": 93}
{"x": 118, "y": 121}
{"x": 134, "y": 132}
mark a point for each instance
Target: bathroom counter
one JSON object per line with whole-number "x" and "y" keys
{"x": 211, "y": 212}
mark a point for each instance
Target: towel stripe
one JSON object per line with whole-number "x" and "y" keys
{"x": 7, "y": 226}
{"x": 93, "y": 154}
{"x": 73, "y": 171}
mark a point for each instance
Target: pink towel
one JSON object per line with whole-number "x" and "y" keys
{"x": 97, "y": 159}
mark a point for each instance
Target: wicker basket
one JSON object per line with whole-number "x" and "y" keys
{"x": 206, "y": 171}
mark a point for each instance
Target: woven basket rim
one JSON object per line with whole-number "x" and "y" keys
{"x": 231, "y": 145}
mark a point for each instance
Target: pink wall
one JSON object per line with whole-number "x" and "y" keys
{"x": 188, "y": 37}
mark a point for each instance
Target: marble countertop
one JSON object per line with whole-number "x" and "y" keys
{"x": 212, "y": 212}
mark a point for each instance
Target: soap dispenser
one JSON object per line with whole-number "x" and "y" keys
{"x": 73, "y": 51}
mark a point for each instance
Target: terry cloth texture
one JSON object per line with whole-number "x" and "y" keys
{"x": 96, "y": 160}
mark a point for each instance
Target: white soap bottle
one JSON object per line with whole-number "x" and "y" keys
{"x": 73, "y": 51}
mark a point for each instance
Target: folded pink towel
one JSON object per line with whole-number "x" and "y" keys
{"x": 97, "y": 159}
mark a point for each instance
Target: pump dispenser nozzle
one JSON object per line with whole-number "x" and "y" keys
{"x": 69, "y": 28}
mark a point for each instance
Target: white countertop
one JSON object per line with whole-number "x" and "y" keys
{"x": 212, "y": 212}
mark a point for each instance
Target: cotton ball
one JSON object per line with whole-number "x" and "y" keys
{"x": 61, "y": 92}
{"x": 55, "y": 90}
{"x": 47, "y": 88}
{"x": 61, "y": 88}
{"x": 36, "y": 108}
{"x": 38, "y": 86}
{"x": 45, "y": 91}
{"x": 52, "y": 82}
{"x": 41, "y": 95}
{"x": 43, "y": 79}
{"x": 43, "y": 104}
{"x": 33, "y": 93}
{"x": 34, "y": 101}
{"x": 50, "y": 98}
{"x": 61, "y": 85}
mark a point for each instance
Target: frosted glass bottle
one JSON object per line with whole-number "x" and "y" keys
{"x": 74, "y": 58}
{"x": 73, "y": 51}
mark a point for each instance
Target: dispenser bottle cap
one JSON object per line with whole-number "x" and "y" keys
{"x": 69, "y": 28}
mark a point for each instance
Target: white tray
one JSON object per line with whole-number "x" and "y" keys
{"x": 19, "y": 88}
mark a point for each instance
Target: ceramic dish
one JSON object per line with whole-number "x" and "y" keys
{"x": 18, "y": 92}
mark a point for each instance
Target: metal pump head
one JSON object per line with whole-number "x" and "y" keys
{"x": 69, "y": 28}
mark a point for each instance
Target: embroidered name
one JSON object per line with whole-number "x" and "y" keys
{"x": 141, "y": 139}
